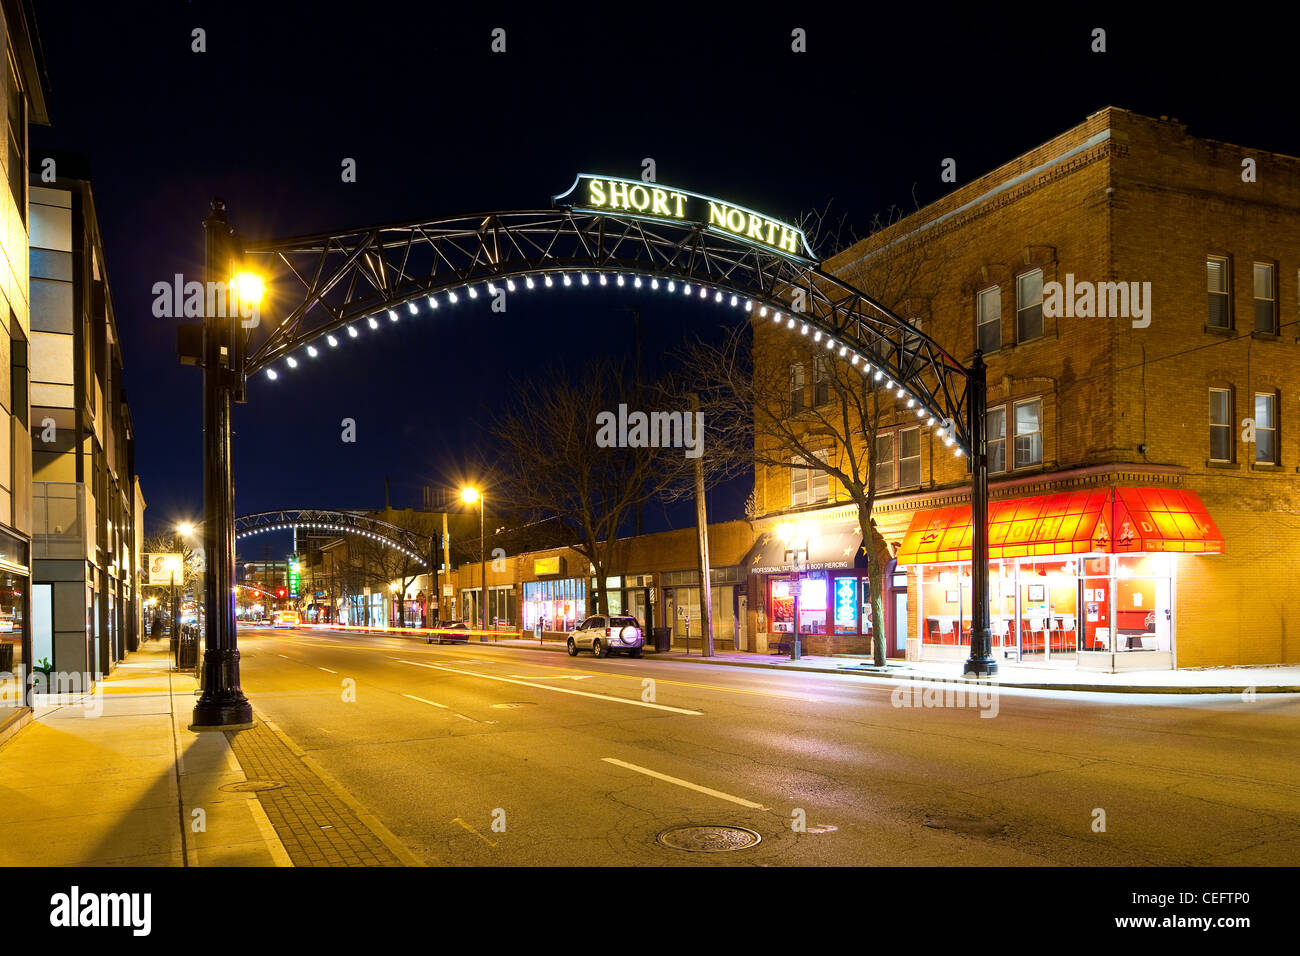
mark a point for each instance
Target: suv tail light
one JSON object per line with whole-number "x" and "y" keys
{"x": 607, "y": 632}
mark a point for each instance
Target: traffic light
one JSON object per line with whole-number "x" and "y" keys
{"x": 280, "y": 592}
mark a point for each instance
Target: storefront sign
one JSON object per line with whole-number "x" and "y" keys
{"x": 162, "y": 566}
{"x": 594, "y": 193}
{"x": 802, "y": 566}
{"x": 552, "y": 565}
{"x": 845, "y": 593}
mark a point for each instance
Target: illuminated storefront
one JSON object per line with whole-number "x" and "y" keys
{"x": 555, "y": 604}
{"x": 813, "y": 582}
{"x": 1086, "y": 578}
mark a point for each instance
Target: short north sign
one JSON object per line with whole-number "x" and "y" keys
{"x": 594, "y": 193}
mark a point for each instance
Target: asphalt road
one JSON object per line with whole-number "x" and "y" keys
{"x": 482, "y": 755}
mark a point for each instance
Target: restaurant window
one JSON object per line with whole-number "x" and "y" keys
{"x": 1266, "y": 429}
{"x": 1216, "y": 277}
{"x": 988, "y": 319}
{"x": 1220, "y": 424}
{"x": 1029, "y": 306}
{"x": 821, "y": 382}
{"x": 1265, "y": 298}
{"x": 996, "y": 434}
{"x": 883, "y": 465}
{"x": 1029, "y": 433}
{"x": 909, "y": 457}
{"x": 796, "y": 388}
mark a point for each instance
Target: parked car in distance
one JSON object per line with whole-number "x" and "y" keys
{"x": 605, "y": 634}
{"x": 453, "y": 632}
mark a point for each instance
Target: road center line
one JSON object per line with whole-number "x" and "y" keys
{"x": 684, "y": 783}
{"x": 327, "y": 670}
{"x": 434, "y": 703}
{"x": 556, "y": 690}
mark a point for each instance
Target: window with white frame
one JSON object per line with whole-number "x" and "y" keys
{"x": 909, "y": 457}
{"x": 808, "y": 484}
{"x": 1265, "y": 298}
{"x": 1220, "y": 424}
{"x": 1029, "y": 306}
{"x": 1266, "y": 428}
{"x": 883, "y": 463}
{"x": 1217, "y": 283}
{"x": 1029, "y": 433}
{"x": 995, "y": 433}
{"x": 821, "y": 381}
{"x": 797, "y": 383}
{"x": 988, "y": 319}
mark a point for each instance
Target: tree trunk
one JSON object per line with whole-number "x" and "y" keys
{"x": 877, "y": 557}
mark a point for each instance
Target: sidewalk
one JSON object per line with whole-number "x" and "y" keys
{"x": 1279, "y": 679}
{"x": 116, "y": 778}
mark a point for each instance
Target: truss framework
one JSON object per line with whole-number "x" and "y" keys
{"x": 411, "y": 543}
{"x": 384, "y": 273}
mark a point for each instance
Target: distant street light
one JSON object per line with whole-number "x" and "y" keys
{"x": 469, "y": 496}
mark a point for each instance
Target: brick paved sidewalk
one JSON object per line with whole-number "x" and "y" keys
{"x": 314, "y": 819}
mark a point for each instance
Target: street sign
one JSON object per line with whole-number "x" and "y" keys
{"x": 162, "y": 565}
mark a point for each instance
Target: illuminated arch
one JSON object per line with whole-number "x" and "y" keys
{"x": 414, "y": 545}
{"x": 343, "y": 285}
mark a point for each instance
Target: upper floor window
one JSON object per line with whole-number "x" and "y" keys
{"x": 1029, "y": 306}
{"x": 883, "y": 463}
{"x": 988, "y": 319}
{"x": 808, "y": 484}
{"x": 1266, "y": 428}
{"x": 1217, "y": 284}
{"x": 995, "y": 434}
{"x": 17, "y": 140}
{"x": 821, "y": 381}
{"x": 1265, "y": 298}
{"x": 1029, "y": 433}
{"x": 909, "y": 457}
{"x": 1220, "y": 424}
{"x": 796, "y": 388}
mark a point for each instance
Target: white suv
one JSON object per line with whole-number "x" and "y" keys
{"x": 603, "y": 633}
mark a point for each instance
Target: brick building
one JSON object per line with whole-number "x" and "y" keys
{"x": 1136, "y": 520}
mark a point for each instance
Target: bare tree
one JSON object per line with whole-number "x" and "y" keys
{"x": 554, "y": 466}
{"x": 812, "y": 410}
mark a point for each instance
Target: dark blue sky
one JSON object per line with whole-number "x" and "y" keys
{"x": 440, "y": 125}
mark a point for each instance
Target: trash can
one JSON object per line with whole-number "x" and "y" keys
{"x": 187, "y": 656}
{"x": 663, "y": 639}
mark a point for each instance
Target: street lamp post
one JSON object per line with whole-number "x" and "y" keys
{"x": 471, "y": 495}
{"x": 222, "y": 704}
{"x": 981, "y": 662}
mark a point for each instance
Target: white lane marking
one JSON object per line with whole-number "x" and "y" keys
{"x": 555, "y": 676}
{"x": 326, "y": 670}
{"x": 684, "y": 783}
{"x": 433, "y": 703}
{"x": 285, "y": 656}
{"x": 557, "y": 690}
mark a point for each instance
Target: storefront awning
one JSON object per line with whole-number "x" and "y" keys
{"x": 805, "y": 547}
{"x": 1079, "y": 522}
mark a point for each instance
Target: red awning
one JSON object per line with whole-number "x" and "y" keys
{"x": 1077, "y": 522}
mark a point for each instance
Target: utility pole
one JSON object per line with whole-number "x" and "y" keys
{"x": 446, "y": 560}
{"x": 702, "y": 531}
{"x": 981, "y": 662}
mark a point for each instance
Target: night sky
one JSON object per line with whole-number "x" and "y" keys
{"x": 439, "y": 125}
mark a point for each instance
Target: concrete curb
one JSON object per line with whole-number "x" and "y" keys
{"x": 1233, "y": 690}
{"x": 367, "y": 819}
{"x": 10, "y": 727}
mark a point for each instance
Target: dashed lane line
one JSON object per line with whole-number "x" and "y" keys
{"x": 685, "y": 783}
{"x": 556, "y": 690}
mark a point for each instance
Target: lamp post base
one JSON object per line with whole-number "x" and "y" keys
{"x": 980, "y": 667}
{"x": 223, "y": 705}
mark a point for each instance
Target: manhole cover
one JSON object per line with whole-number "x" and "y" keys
{"x": 708, "y": 839}
{"x": 965, "y": 825}
{"x": 252, "y": 786}
{"x": 512, "y": 704}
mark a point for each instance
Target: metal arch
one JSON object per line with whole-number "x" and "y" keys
{"x": 341, "y": 278}
{"x": 413, "y": 544}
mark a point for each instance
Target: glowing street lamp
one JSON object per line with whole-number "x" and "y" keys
{"x": 469, "y": 495}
